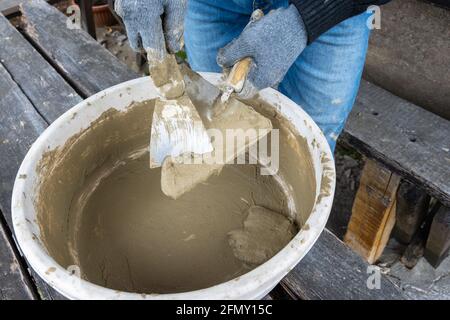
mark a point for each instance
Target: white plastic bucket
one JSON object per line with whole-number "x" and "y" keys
{"x": 252, "y": 285}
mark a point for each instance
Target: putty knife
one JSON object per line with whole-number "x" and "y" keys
{"x": 176, "y": 129}
{"x": 177, "y": 177}
{"x": 176, "y": 125}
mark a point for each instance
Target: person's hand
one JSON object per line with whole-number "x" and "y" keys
{"x": 273, "y": 42}
{"x": 146, "y": 30}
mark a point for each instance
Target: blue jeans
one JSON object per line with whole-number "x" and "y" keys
{"x": 324, "y": 80}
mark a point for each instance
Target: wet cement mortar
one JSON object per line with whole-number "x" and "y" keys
{"x": 101, "y": 208}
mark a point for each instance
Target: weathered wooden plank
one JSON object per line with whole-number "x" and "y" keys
{"x": 11, "y": 7}
{"x": 407, "y": 139}
{"x": 87, "y": 66}
{"x": 20, "y": 125}
{"x": 281, "y": 293}
{"x": 438, "y": 243}
{"x": 412, "y": 206}
{"x": 332, "y": 271}
{"x": 14, "y": 280}
{"x": 44, "y": 290}
{"x": 415, "y": 250}
{"x": 87, "y": 18}
{"x": 373, "y": 212}
{"x": 44, "y": 87}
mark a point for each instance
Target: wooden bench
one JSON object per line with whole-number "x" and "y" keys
{"x": 403, "y": 141}
{"x": 48, "y": 68}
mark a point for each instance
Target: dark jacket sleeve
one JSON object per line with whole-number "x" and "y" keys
{"x": 321, "y": 15}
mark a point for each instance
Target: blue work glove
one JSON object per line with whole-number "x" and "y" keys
{"x": 146, "y": 30}
{"x": 273, "y": 42}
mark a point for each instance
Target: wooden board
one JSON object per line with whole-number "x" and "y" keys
{"x": 438, "y": 243}
{"x": 412, "y": 206}
{"x": 86, "y": 65}
{"x": 11, "y": 8}
{"x": 43, "y": 86}
{"x": 87, "y": 18}
{"x": 20, "y": 126}
{"x": 14, "y": 280}
{"x": 333, "y": 271}
{"x": 8, "y": 7}
{"x": 373, "y": 212}
{"x": 415, "y": 250}
{"x": 407, "y": 139}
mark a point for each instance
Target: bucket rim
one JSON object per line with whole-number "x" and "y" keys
{"x": 251, "y": 285}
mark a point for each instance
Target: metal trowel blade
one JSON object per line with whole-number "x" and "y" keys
{"x": 203, "y": 94}
{"x": 177, "y": 129}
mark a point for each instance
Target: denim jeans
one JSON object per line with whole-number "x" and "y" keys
{"x": 324, "y": 80}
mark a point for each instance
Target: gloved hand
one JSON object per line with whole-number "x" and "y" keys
{"x": 273, "y": 42}
{"x": 142, "y": 19}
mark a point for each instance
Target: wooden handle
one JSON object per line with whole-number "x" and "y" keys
{"x": 239, "y": 73}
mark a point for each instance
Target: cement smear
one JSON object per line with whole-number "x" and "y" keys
{"x": 265, "y": 232}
